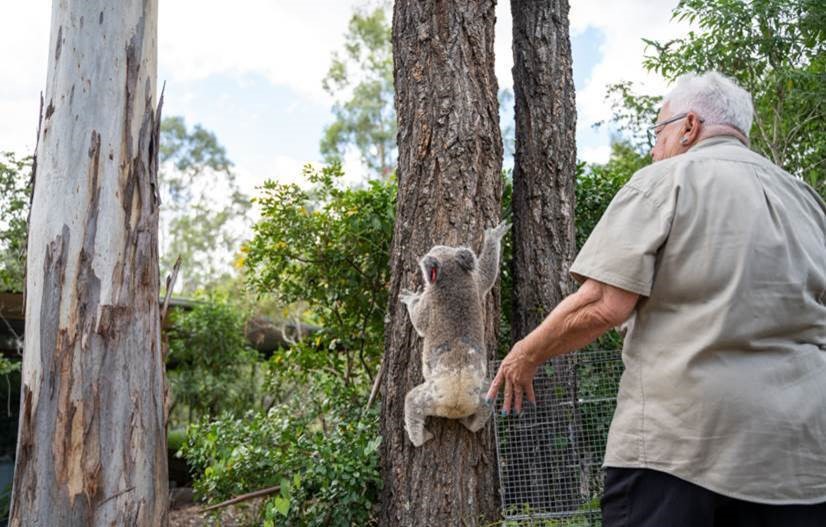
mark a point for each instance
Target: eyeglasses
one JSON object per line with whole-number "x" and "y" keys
{"x": 655, "y": 129}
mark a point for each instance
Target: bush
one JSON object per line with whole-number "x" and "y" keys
{"x": 324, "y": 459}
{"x": 211, "y": 366}
{"x": 328, "y": 247}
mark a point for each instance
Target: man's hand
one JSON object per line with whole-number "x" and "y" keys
{"x": 576, "y": 321}
{"x": 516, "y": 372}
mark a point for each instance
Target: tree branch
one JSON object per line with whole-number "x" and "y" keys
{"x": 243, "y": 497}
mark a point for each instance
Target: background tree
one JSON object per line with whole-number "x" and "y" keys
{"x": 545, "y": 163}
{"x": 450, "y": 158}
{"x": 367, "y": 119}
{"x": 327, "y": 247}
{"x": 212, "y": 366}
{"x": 324, "y": 247}
{"x": 15, "y": 194}
{"x": 543, "y": 205}
{"x": 92, "y": 441}
{"x": 203, "y": 212}
{"x": 775, "y": 49}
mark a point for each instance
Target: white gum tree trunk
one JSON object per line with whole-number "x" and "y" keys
{"x": 92, "y": 443}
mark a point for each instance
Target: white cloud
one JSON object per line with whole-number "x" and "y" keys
{"x": 289, "y": 43}
{"x": 594, "y": 154}
{"x": 24, "y": 39}
{"x": 623, "y": 25}
{"x": 502, "y": 45}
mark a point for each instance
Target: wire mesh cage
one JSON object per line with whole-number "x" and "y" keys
{"x": 550, "y": 456}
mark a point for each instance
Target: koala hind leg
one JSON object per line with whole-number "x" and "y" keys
{"x": 477, "y": 421}
{"x": 418, "y": 404}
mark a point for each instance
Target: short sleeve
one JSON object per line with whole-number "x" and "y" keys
{"x": 622, "y": 249}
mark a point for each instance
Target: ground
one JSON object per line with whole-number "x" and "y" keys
{"x": 189, "y": 515}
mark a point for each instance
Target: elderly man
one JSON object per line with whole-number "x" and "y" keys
{"x": 716, "y": 260}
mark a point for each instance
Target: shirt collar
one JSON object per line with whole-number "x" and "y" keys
{"x": 716, "y": 140}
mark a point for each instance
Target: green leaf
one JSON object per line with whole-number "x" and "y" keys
{"x": 282, "y": 505}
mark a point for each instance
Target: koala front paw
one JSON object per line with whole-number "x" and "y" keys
{"x": 406, "y": 296}
{"x": 498, "y": 231}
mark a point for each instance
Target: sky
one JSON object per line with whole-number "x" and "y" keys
{"x": 252, "y": 74}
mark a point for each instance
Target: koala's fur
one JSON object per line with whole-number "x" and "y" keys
{"x": 450, "y": 315}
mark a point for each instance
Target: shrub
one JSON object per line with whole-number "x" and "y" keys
{"x": 211, "y": 366}
{"x": 326, "y": 464}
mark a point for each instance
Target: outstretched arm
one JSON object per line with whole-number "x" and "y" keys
{"x": 489, "y": 259}
{"x": 576, "y": 321}
{"x": 417, "y": 308}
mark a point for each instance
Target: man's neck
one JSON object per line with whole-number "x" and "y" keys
{"x": 716, "y": 130}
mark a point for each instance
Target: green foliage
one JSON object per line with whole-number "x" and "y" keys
{"x": 633, "y": 113}
{"x": 597, "y": 184}
{"x": 202, "y": 209}
{"x": 327, "y": 246}
{"x": 505, "y": 269}
{"x": 10, "y": 373}
{"x": 367, "y": 119}
{"x": 15, "y": 193}
{"x": 776, "y": 49}
{"x": 211, "y": 367}
{"x": 326, "y": 464}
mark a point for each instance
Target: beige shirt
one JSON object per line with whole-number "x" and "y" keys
{"x": 725, "y": 357}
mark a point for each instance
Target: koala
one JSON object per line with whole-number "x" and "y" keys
{"x": 449, "y": 315}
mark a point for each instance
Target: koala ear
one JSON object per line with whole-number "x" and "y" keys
{"x": 466, "y": 259}
{"x": 430, "y": 269}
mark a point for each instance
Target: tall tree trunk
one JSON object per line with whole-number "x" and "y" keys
{"x": 450, "y": 159}
{"x": 92, "y": 441}
{"x": 543, "y": 207}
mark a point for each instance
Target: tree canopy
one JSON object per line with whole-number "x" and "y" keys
{"x": 361, "y": 80}
{"x": 203, "y": 211}
{"x": 774, "y": 49}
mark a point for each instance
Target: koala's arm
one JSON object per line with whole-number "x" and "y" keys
{"x": 489, "y": 259}
{"x": 418, "y": 308}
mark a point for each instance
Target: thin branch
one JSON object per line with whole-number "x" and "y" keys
{"x": 113, "y": 496}
{"x": 10, "y": 328}
{"x": 374, "y": 391}
{"x": 243, "y": 497}
{"x": 814, "y": 114}
{"x": 170, "y": 284}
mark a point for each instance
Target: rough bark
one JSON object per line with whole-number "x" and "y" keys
{"x": 92, "y": 437}
{"x": 450, "y": 156}
{"x": 543, "y": 204}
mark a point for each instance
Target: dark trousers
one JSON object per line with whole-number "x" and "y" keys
{"x": 648, "y": 498}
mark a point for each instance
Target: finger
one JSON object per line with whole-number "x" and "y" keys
{"x": 506, "y": 406}
{"x": 529, "y": 393}
{"x": 494, "y": 386}
{"x": 517, "y": 398}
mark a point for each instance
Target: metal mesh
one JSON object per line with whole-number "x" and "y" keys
{"x": 550, "y": 456}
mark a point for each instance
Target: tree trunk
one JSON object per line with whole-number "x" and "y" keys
{"x": 543, "y": 208}
{"x": 92, "y": 440}
{"x": 450, "y": 159}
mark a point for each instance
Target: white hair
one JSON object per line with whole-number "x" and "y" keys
{"x": 714, "y": 97}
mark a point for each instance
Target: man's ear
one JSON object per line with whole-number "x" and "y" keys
{"x": 466, "y": 259}
{"x": 691, "y": 129}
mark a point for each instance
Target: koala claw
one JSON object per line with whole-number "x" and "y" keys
{"x": 499, "y": 230}
{"x": 426, "y": 436}
{"x": 406, "y": 296}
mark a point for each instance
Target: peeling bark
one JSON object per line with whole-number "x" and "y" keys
{"x": 543, "y": 209}
{"x": 450, "y": 159}
{"x": 92, "y": 440}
